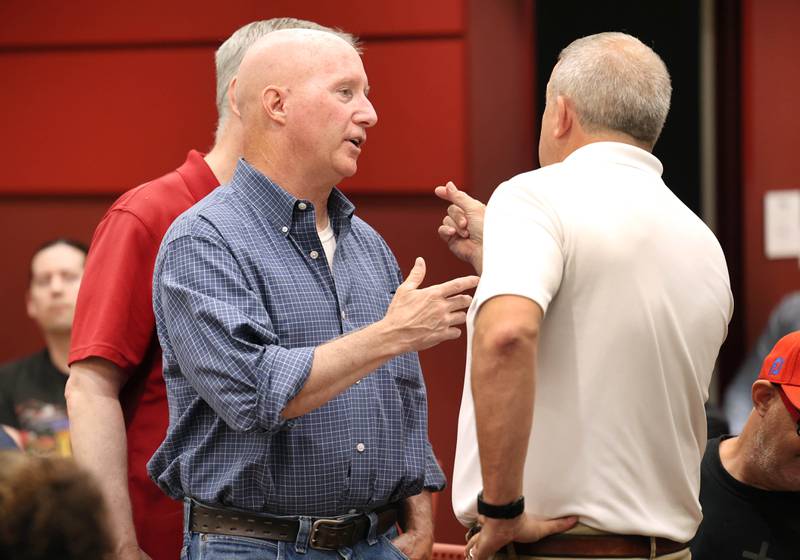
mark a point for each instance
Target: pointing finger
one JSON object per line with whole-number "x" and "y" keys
{"x": 456, "y": 285}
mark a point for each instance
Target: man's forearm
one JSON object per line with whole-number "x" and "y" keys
{"x": 416, "y": 542}
{"x": 99, "y": 444}
{"x": 503, "y": 385}
{"x": 416, "y": 319}
{"x": 418, "y": 513}
{"x": 340, "y": 363}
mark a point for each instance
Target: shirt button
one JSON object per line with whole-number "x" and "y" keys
{"x": 344, "y": 316}
{"x": 357, "y": 382}
{"x": 302, "y": 206}
{"x": 285, "y": 229}
{"x": 360, "y": 447}
{"x": 313, "y": 254}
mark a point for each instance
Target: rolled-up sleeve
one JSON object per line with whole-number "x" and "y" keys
{"x": 435, "y": 481}
{"x": 218, "y": 332}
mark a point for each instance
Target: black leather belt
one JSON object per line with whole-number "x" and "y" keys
{"x": 326, "y": 533}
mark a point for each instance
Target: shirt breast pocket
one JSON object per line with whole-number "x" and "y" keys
{"x": 368, "y": 305}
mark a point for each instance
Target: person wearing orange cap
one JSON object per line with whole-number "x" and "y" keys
{"x": 750, "y": 484}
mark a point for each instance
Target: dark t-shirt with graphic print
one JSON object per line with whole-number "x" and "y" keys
{"x": 32, "y": 401}
{"x": 740, "y": 521}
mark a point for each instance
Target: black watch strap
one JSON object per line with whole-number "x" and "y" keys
{"x": 504, "y": 511}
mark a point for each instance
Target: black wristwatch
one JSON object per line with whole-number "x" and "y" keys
{"x": 504, "y": 511}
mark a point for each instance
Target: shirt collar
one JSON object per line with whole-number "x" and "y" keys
{"x": 278, "y": 206}
{"x": 619, "y": 153}
{"x": 197, "y": 175}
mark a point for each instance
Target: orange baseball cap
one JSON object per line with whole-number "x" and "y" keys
{"x": 782, "y": 366}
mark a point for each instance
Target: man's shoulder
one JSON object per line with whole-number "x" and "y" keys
{"x": 156, "y": 203}
{"x": 22, "y": 366}
{"x": 363, "y": 228}
{"x": 534, "y": 180}
{"x": 712, "y": 448}
{"x": 536, "y": 186}
{"x": 165, "y": 195}
{"x": 368, "y": 234}
{"x": 212, "y": 216}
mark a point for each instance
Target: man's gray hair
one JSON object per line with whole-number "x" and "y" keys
{"x": 230, "y": 54}
{"x": 616, "y": 83}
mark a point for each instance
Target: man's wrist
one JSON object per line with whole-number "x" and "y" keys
{"x": 387, "y": 337}
{"x": 477, "y": 262}
{"x": 508, "y": 510}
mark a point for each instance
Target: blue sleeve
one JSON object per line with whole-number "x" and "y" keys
{"x": 5, "y": 440}
{"x": 435, "y": 480}
{"x": 216, "y": 328}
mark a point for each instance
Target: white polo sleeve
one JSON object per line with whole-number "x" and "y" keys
{"x": 523, "y": 244}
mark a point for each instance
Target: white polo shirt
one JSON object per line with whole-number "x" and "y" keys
{"x": 637, "y": 301}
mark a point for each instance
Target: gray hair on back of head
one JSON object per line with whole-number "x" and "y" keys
{"x": 616, "y": 82}
{"x": 230, "y": 54}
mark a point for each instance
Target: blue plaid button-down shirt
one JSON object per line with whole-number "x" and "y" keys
{"x": 243, "y": 294}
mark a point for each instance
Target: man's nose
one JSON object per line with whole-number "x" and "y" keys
{"x": 367, "y": 116}
{"x": 56, "y": 283}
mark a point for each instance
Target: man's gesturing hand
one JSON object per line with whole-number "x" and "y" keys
{"x": 462, "y": 228}
{"x": 424, "y": 317}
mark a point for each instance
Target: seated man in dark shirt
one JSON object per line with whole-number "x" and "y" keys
{"x": 750, "y": 484}
{"x": 32, "y": 388}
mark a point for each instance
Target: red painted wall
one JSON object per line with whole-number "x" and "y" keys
{"x": 770, "y": 142}
{"x": 101, "y": 96}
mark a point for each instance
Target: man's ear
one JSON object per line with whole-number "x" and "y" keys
{"x": 565, "y": 115}
{"x": 231, "y": 97}
{"x": 29, "y": 305}
{"x": 273, "y": 100}
{"x": 763, "y": 393}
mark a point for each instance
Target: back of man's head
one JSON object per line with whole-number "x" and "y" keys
{"x": 230, "y": 54}
{"x": 49, "y": 508}
{"x": 616, "y": 84}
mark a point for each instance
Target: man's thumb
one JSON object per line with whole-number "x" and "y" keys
{"x": 416, "y": 276}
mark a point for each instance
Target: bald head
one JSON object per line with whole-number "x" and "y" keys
{"x": 285, "y": 59}
{"x": 302, "y": 98}
{"x": 230, "y": 54}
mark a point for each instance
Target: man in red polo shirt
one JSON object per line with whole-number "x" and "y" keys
{"x": 116, "y": 398}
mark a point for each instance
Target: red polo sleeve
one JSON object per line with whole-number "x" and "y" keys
{"x": 114, "y": 315}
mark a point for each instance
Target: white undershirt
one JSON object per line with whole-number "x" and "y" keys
{"x": 328, "y": 240}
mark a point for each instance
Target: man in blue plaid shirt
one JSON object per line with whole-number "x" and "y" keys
{"x": 298, "y": 414}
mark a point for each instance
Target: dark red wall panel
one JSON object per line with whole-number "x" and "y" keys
{"x": 56, "y": 22}
{"x": 102, "y": 121}
{"x": 26, "y": 223}
{"x": 417, "y": 88}
{"x": 770, "y": 139}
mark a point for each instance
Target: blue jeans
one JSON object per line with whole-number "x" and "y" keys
{"x": 208, "y": 546}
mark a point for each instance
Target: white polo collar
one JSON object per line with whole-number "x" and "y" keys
{"x": 619, "y": 153}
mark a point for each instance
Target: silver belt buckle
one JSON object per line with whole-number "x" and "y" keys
{"x": 315, "y": 529}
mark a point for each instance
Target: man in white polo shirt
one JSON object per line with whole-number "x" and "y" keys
{"x": 602, "y": 305}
